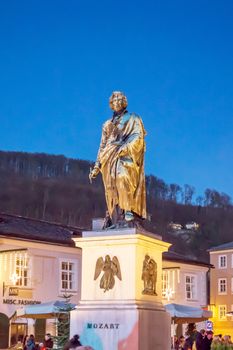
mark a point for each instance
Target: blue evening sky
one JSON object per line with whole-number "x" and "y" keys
{"x": 60, "y": 61}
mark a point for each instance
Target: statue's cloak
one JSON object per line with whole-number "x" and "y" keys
{"x": 121, "y": 161}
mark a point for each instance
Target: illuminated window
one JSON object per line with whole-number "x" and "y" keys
{"x": 16, "y": 267}
{"x": 222, "y": 286}
{"x": 212, "y": 308}
{"x": 68, "y": 275}
{"x": 222, "y": 312}
{"x": 169, "y": 279}
{"x": 190, "y": 287}
{"x": 232, "y": 312}
{"x": 165, "y": 285}
{"x": 22, "y": 270}
{"x": 222, "y": 261}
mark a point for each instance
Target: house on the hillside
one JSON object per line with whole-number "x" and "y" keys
{"x": 175, "y": 226}
{"x": 192, "y": 225}
{"x": 185, "y": 281}
{"x": 221, "y": 288}
{"x": 38, "y": 262}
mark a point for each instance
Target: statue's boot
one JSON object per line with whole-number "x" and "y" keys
{"x": 129, "y": 216}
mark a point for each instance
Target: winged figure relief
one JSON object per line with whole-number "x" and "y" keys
{"x": 149, "y": 275}
{"x": 110, "y": 269}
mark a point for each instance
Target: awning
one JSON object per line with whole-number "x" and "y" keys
{"x": 187, "y": 314}
{"x": 51, "y": 309}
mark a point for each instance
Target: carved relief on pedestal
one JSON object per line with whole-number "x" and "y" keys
{"x": 110, "y": 269}
{"x": 149, "y": 275}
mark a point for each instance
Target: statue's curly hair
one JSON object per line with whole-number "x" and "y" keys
{"x": 124, "y": 98}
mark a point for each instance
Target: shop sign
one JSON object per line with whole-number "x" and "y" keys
{"x": 20, "y": 302}
{"x": 13, "y": 291}
{"x": 209, "y": 325}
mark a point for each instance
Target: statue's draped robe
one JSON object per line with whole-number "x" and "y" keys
{"x": 121, "y": 161}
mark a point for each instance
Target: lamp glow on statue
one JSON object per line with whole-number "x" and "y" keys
{"x": 120, "y": 160}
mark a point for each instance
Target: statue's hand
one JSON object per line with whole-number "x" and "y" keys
{"x": 93, "y": 173}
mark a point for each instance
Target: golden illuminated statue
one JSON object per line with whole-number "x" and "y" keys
{"x": 121, "y": 161}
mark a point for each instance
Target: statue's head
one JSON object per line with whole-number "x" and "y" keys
{"x": 118, "y": 101}
{"x": 107, "y": 258}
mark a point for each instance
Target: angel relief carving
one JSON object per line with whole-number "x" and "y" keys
{"x": 149, "y": 275}
{"x": 111, "y": 268}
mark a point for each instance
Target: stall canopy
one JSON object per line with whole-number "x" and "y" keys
{"x": 187, "y": 314}
{"x": 51, "y": 309}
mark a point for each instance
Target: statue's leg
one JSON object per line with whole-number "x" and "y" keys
{"x": 117, "y": 215}
{"x": 125, "y": 184}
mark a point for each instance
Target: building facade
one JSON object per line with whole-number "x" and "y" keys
{"x": 38, "y": 263}
{"x": 221, "y": 288}
{"x": 185, "y": 282}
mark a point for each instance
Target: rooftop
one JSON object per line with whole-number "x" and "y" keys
{"x": 224, "y": 246}
{"x": 14, "y": 226}
{"x": 173, "y": 256}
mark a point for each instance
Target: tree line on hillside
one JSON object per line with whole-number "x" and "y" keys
{"x": 41, "y": 165}
{"x": 57, "y": 189}
{"x": 158, "y": 189}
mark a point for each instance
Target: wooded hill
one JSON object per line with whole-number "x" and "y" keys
{"x": 57, "y": 189}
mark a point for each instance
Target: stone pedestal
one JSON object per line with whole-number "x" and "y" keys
{"x": 123, "y": 317}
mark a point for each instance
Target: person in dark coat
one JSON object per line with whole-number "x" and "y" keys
{"x": 199, "y": 339}
{"x": 25, "y": 339}
{"x": 188, "y": 343}
{"x": 48, "y": 342}
{"x": 207, "y": 340}
{"x": 72, "y": 343}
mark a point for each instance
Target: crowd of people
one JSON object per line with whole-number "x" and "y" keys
{"x": 30, "y": 344}
{"x": 47, "y": 344}
{"x": 203, "y": 340}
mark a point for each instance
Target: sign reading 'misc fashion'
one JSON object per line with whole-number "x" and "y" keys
{"x": 20, "y": 302}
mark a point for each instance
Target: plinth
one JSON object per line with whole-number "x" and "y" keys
{"x": 121, "y": 310}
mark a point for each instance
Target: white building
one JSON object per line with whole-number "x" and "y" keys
{"x": 38, "y": 263}
{"x": 185, "y": 281}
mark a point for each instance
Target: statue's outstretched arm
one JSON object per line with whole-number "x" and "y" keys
{"x": 95, "y": 171}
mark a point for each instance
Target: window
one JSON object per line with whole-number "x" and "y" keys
{"x": 164, "y": 283}
{"x": 222, "y": 312}
{"x": 21, "y": 270}
{"x": 16, "y": 267}
{"x": 68, "y": 275}
{"x": 169, "y": 279}
{"x": 222, "y": 286}
{"x": 190, "y": 287}
{"x": 222, "y": 261}
{"x": 232, "y": 312}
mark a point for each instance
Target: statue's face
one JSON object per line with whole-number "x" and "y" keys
{"x": 117, "y": 102}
